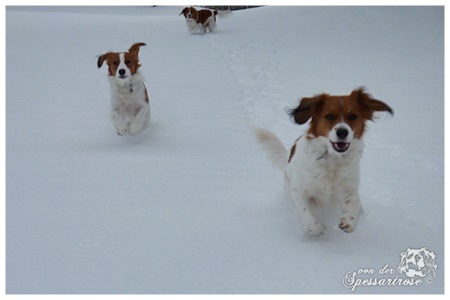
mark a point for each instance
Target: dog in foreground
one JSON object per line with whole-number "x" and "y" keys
{"x": 203, "y": 18}
{"x": 130, "y": 106}
{"x": 322, "y": 167}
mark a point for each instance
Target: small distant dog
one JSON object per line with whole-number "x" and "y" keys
{"x": 322, "y": 167}
{"x": 130, "y": 107}
{"x": 199, "y": 19}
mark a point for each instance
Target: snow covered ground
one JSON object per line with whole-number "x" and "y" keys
{"x": 193, "y": 206}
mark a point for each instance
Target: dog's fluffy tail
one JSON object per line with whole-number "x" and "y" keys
{"x": 224, "y": 13}
{"x": 273, "y": 147}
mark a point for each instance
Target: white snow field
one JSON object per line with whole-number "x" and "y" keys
{"x": 192, "y": 206}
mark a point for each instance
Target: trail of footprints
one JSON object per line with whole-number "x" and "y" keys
{"x": 255, "y": 67}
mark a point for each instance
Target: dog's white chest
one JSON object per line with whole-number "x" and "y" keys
{"x": 324, "y": 182}
{"x": 127, "y": 96}
{"x": 322, "y": 176}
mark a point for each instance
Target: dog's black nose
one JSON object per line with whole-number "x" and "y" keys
{"x": 122, "y": 72}
{"x": 342, "y": 133}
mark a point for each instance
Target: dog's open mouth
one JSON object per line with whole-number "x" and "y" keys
{"x": 123, "y": 76}
{"x": 340, "y": 146}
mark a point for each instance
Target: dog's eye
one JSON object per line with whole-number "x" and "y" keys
{"x": 330, "y": 117}
{"x": 352, "y": 117}
{"x": 128, "y": 62}
{"x": 116, "y": 63}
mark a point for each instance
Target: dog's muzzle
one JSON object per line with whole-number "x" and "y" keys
{"x": 122, "y": 73}
{"x": 341, "y": 145}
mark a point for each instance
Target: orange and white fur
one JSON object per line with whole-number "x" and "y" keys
{"x": 130, "y": 107}
{"x": 204, "y": 19}
{"x": 322, "y": 167}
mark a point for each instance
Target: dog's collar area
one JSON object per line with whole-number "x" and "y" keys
{"x": 323, "y": 156}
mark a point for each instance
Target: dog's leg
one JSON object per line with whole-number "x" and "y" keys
{"x": 119, "y": 122}
{"x": 195, "y": 27}
{"x": 302, "y": 201}
{"x": 351, "y": 209}
{"x": 211, "y": 24}
{"x": 191, "y": 25}
{"x": 139, "y": 121}
{"x": 205, "y": 26}
{"x": 312, "y": 225}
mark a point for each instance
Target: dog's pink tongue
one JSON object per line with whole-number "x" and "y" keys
{"x": 341, "y": 145}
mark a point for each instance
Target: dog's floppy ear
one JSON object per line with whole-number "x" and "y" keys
{"x": 306, "y": 109}
{"x": 369, "y": 104}
{"x": 183, "y": 11}
{"x": 101, "y": 59}
{"x": 135, "y": 48}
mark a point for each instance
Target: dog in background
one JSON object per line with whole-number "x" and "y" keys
{"x": 130, "y": 106}
{"x": 322, "y": 167}
{"x": 204, "y": 19}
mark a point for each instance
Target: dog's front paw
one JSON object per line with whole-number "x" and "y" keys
{"x": 315, "y": 229}
{"x": 122, "y": 131}
{"x": 135, "y": 128}
{"x": 347, "y": 225}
